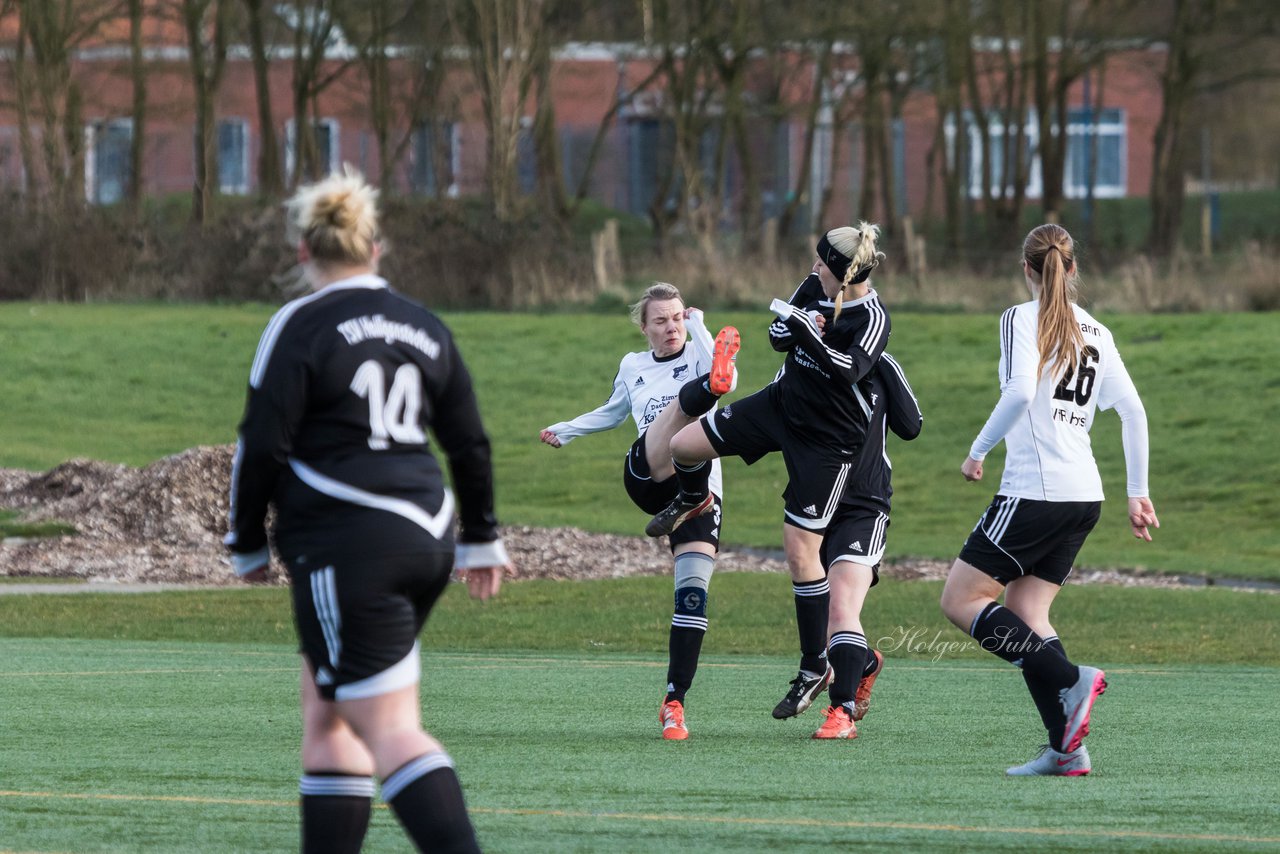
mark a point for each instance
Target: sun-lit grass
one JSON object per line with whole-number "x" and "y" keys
{"x": 193, "y": 747}
{"x": 134, "y": 383}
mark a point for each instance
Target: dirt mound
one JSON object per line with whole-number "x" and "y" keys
{"x": 164, "y": 524}
{"x": 159, "y": 523}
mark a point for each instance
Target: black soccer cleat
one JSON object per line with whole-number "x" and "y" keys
{"x": 676, "y": 514}
{"x": 804, "y": 690}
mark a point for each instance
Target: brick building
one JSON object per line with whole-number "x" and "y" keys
{"x": 586, "y": 80}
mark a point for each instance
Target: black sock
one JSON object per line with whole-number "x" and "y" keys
{"x": 425, "y": 795}
{"x": 695, "y": 480}
{"x": 813, "y": 600}
{"x": 696, "y": 397}
{"x": 1046, "y": 699}
{"x": 848, "y": 656}
{"x": 872, "y": 664}
{"x": 682, "y": 662}
{"x": 1001, "y": 632}
{"x": 335, "y": 811}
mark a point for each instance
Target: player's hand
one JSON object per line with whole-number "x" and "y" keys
{"x": 1142, "y": 514}
{"x": 820, "y": 321}
{"x": 483, "y": 582}
{"x": 972, "y": 469}
{"x": 550, "y": 438}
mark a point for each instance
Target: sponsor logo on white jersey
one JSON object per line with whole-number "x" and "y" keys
{"x": 679, "y": 372}
{"x": 639, "y": 381}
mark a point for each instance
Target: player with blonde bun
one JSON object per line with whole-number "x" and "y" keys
{"x": 344, "y": 387}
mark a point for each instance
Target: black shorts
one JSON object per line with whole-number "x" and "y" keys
{"x": 752, "y": 427}
{"x": 857, "y": 535}
{"x": 358, "y": 617}
{"x": 652, "y": 496}
{"x": 1022, "y": 536}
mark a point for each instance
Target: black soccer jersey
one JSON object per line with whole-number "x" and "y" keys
{"x": 818, "y": 384}
{"x": 344, "y": 386}
{"x": 893, "y": 407}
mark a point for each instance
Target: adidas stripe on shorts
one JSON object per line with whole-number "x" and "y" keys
{"x": 752, "y": 427}
{"x": 359, "y": 617}
{"x": 857, "y": 535}
{"x": 1023, "y": 536}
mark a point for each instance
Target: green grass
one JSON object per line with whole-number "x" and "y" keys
{"x": 12, "y": 526}
{"x": 135, "y": 383}
{"x": 183, "y": 747}
{"x": 752, "y": 614}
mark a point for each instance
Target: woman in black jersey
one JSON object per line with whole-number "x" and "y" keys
{"x": 344, "y": 386}
{"x": 854, "y": 544}
{"x": 814, "y": 413}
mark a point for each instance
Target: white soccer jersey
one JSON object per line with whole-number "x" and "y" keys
{"x": 1045, "y": 421}
{"x": 644, "y": 386}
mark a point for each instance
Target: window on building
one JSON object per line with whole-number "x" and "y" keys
{"x": 327, "y": 141}
{"x": 1107, "y": 126}
{"x": 233, "y": 156}
{"x": 433, "y": 164}
{"x": 526, "y": 159}
{"x": 107, "y": 160}
{"x": 1096, "y": 147}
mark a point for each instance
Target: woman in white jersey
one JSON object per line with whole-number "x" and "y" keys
{"x": 682, "y": 366}
{"x": 1057, "y": 366}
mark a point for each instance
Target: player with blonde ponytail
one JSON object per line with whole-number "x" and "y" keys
{"x": 859, "y": 246}
{"x": 1058, "y": 365}
{"x": 816, "y": 412}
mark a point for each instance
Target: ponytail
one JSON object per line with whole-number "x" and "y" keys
{"x": 856, "y": 248}
{"x": 1050, "y": 253}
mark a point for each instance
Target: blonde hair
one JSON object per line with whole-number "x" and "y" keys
{"x": 657, "y": 292}
{"x": 1050, "y": 253}
{"x": 337, "y": 218}
{"x": 859, "y": 246}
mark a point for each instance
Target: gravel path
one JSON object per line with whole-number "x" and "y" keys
{"x": 161, "y": 527}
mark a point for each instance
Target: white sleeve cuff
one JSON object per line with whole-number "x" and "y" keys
{"x": 472, "y": 555}
{"x": 243, "y": 564}
{"x": 782, "y": 308}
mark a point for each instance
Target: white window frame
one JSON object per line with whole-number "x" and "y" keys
{"x": 241, "y": 189}
{"x": 1076, "y": 132}
{"x": 91, "y": 129}
{"x": 335, "y": 144}
{"x": 455, "y": 159}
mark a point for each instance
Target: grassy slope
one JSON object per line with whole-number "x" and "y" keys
{"x": 134, "y": 383}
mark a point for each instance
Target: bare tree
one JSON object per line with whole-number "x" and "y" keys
{"x": 799, "y": 198}
{"x": 49, "y": 32}
{"x": 138, "y": 75}
{"x": 1204, "y": 40}
{"x": 205, "y": 22}
{"x": 503, "y": 38}
{"x": 950, "y": 156}
{"x": 270, "y": 179}
{"x": 315, "y": 31}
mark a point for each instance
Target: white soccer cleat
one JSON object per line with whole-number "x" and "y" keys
{"x": 1051, "y": 763}
{"x": 1077, "y": 702}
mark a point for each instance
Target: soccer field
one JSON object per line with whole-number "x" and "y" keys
{"x": 171, "y": 746}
